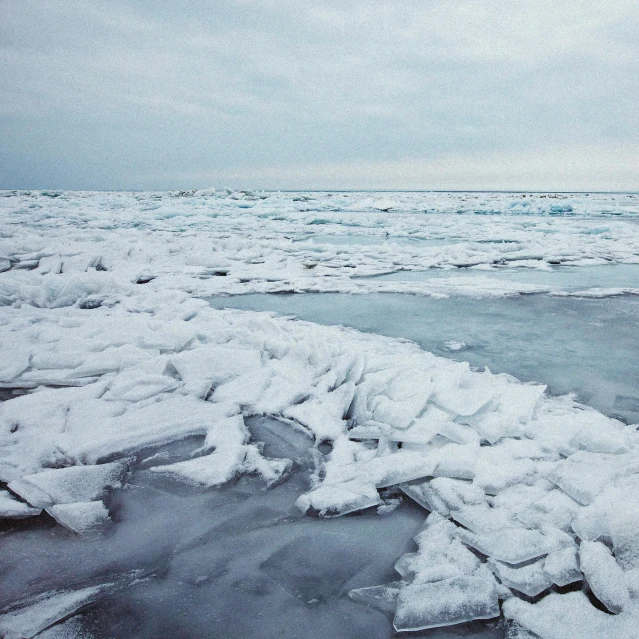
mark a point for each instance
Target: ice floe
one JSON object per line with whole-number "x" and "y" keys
{"x": 111, "y": 355}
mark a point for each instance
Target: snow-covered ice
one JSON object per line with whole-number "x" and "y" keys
{"x": 173, "y": 431}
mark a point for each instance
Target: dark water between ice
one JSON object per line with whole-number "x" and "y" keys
{"x": 235, "y": 563}
{"x": 587, "y": 346}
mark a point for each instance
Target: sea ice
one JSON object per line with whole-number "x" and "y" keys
{"x": 604, "y": 575}
{"x": 69, "y": 485}
{"x": 30, "y": 617}
{"x": 80, "y": 517}
{"x": 11, "y": 508}
{"x": 444, "y": 603}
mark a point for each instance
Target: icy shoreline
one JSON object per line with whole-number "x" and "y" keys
{"x": 530, "y": 496}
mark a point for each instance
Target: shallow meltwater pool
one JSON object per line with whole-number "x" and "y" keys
{"x": 586, "y": 346}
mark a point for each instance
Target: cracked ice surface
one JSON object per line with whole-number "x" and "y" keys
{"x": 530, "y": 498}
{"x": 471, "y": 447}
{"x": 57, "y": 249}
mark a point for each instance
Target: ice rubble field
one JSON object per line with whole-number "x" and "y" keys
{"x": 107, "y": 351}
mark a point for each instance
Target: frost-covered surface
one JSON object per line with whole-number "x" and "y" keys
{"x": 58, "y": 248}
{"x": 106, "y": 355}
{"x": 528, "y": 481}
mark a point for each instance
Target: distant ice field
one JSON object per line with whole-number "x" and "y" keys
{"x": 258, "y": 415}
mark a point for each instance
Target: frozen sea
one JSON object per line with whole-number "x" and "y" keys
{"x": 251, "y": 414}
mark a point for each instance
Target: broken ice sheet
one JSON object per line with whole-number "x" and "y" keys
{"x": 69, "y": 485}
{"x": 11, "y": 508}
{"x": 331, "y": 500}
{"x": 382, "y": 597}
{"x": 584, "y": 475}
{"x": 27, "y": 618}
{"x": 80, "y": 517}
{"x": 513, "y": 545}
{"x": 226, "y": 463}
{"x": 570, "y": 616}
{"x": 529, "y": 579}
{"x": 444, "y": 603}
{"x": 561, "y": 566}
{"x": 605, "y": 577}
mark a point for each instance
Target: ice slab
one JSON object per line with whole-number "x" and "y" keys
{"x": 81, "y": 517}
{"x": 530, "y": 579}
{"x": 35, "y": 615}
{"x": 382, "y": 598}
{"x": 11, "y": 508}
{"x": 208, "y": 470}
{"x": 569, "y": 616}
{"x": 69, "y": 485}
{"x": 605, "y": 577}
{"x": 584, "y": 475}
{"x": 444, "y": 603}
{"x": 513, "y": 545}
{"x": 330, "y": 500}
{"x": 562, "y": 567}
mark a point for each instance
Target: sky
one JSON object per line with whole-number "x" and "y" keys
{"x": 285, "y": 94}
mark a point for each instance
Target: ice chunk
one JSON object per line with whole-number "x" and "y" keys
{"x": 584, "y": 475}
{"x": 404, "y": 399}
{"x": 209, "y": 470}
{"x": 30, "y": 617}
{"x": 112, "y": 359}
{"x": 554, "y": 432}
{"x": 212, "y": 364}
{"x": 457, "y": 461}
{"x": 151, "y": 424}
{"x": 509, "y": 462}
{"x": 553, "y": 508}
{"x": 324, "y": 415}
{"x": 140, "y": 382}
{"x": 444, "y": 603}
{"x": 600, "y": 434}
{"x": 330, "y": 500}
{"x": 397, "y": 468}
{"x": 591, "y": 522}
{"x": 80, "y": 517}
{"x": 13, "y": 362}
{"x": 529, "y": 579}
{"x": 440, "y": 554}
{"x": 425, "y": 497}
{"x": 623, "y": 519}
{"x": 569, "y": 616}
{"x": 604, "y": 575}
{"x": 513, "y": 545}
{"x": 11, "y": 508}
{"x": 69, "y": 485}
{"x": 443, "y": 495}
{"x": 482, "y": 519}
{"x": 382, "y": 598}
{"x": 561, "y": 566}
{"x": 514, "y": 406}
{"x": 270, "y": 470}
{"x": 465, "y": 401}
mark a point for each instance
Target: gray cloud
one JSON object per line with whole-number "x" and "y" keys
{"x": 284, "y": 94}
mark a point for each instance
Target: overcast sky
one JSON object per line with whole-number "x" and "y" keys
{"x": 407, "y": 94}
